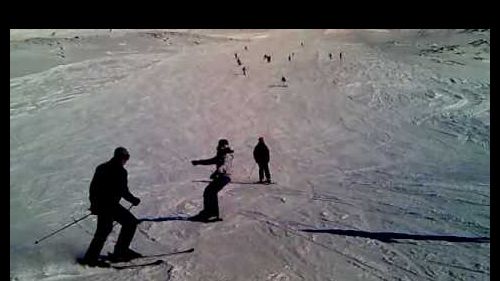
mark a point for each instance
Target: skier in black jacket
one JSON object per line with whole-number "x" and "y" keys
{"x": 108, "y": 186}
{"x": 220, "y": 177}
{"x": 261, "y": 156}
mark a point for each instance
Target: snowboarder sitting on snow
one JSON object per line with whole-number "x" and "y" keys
{"x": 261, "y": 156}
{"x": 108, "y": 186}
{"x": 220, "y": 177}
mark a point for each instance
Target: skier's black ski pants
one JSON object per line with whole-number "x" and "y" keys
{"x": 210, "y": 200}
{"x": 105, "y": 221}
{"x": 264, "y": 169}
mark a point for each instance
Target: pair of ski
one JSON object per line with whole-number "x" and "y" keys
{"x": 109, "y": 263}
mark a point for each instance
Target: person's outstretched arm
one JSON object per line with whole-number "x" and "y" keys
{"x": 211, "y": 161}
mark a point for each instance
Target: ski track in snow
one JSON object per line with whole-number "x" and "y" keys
{"x": 390, "y": 139}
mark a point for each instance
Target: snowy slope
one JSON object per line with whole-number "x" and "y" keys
{"x": 392, "y": 140}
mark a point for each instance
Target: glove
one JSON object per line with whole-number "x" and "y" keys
{"x": 136, "y": 201}
{"x": 194, "y": 162}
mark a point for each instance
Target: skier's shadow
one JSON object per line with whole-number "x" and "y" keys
{"x": 391, "y": 237}
{"x": 233, "y": 182}
{"x": 178, "y": 218}
{"x": 160, "y": 219}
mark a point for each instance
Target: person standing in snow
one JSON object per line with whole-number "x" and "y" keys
{"x": 244, "y": 71}
{"x": 107, "y": 187}
{"x": 220, "y": 177}
{"x": 261, "y": 156}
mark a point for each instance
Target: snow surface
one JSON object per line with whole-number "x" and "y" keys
{"x": 392, "y": 139}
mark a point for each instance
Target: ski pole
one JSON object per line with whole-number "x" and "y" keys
{"x": 66, "y": 226}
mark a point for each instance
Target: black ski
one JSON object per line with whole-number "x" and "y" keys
{"x": 108, "y": 263}
{"x": 109, "y": 259}
{"x": 190, "y": 250}
{"x": 129, "y": 266}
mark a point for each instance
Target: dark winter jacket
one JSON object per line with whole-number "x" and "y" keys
{"x": 108, "y": 186}
{"x": 223, "y": 162}
{"x": 261, "y": 153}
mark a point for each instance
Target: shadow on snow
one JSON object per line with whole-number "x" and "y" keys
{"x": 390, "y": 237}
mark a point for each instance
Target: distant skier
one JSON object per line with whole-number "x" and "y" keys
{"x": 220, "y": 177}
{"x": 244, "y": 71}
{"x": 107, "y": 187}
{"x": 246, "y": 48}
{"x": 340, "y": 56}
{"x": 283, "y": 79}
{"x": 289, "y": 58}
{"x": 261, "y": 156}
{"x": 269, "y": 58}
{"x": 236, "y": 55}
{"x": 302, "y": 44}
{"x": 239, "y": 61}
{"x": 330, "y": 55}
